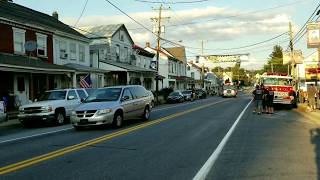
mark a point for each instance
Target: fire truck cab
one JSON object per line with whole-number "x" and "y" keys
{"x": 283, "y": 88}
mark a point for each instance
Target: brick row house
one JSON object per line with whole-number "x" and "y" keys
{"x": 38, "y": 52}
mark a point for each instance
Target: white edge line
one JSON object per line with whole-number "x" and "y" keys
{"x": 203, "y": 172}
{"x": 35, "y": 135}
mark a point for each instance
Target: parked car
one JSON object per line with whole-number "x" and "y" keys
{"x": 229, "y": 91}
{"x": 175, "y": 97}
{"x": 188, "y": 95}
{"x": 201, "y": 94}
{"x": 3, "y": 114}
{"x": 52, "y": 107}
{"x": 112, "y": 105}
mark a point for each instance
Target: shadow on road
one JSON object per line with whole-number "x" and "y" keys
{"x": 315, "y": 140}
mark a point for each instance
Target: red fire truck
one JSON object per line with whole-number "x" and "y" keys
{"x": 282, "y": 86}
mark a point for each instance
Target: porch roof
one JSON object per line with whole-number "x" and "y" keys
{"x": 22, "y": 63}
{"x": 85, "y": 69}
{"x": 129, "y": 67}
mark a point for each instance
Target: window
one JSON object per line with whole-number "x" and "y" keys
{"x": 138, "y": 92}
{"x": 72, "y": 93}
{"x": 73, "y": 51}
{"x": 126, "y": 50}
{"x": 63, "y": 50}
{"x": 41, "y": 44}
{"x": 81, "y": 94}
{"x": 189, "y": 68}
{"x": 19, "y": 40}
{"x": 192, "y": 75}
{"x": 118, "y": 49}
{"x": 127, "y": 93}
{"x": 81, "y": 53}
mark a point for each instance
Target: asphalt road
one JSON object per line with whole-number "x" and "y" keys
{"x": 175, "y": 144}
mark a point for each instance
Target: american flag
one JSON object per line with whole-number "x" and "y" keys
{"x": 85, "y": 82}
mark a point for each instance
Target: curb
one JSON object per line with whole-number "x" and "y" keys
{"x": 303, "y": 111}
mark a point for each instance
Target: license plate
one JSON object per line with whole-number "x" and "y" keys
{"x": 83, "y": 121}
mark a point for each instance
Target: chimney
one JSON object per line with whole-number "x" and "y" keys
{"x": 55, "y": 15}
{"x": 147, "y": 44}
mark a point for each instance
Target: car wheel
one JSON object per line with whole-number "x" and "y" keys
{"x": 60, "y": 117}
{"x": 117, "y": 120}
{"x": 146, "y": 114}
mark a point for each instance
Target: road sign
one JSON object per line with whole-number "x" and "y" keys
{"x": 313, "y": 35}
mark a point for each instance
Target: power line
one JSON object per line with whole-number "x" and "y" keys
{"x": 233, "y": 16}
{"x": 172, "y": 2}
{"x": 83, "y": 9}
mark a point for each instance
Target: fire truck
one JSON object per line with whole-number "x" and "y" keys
{"x": 283, "y": 88}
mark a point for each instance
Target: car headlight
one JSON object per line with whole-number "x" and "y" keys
{"x": 20, "y": 108}
{"x": 225, "y": 91}
{"x": 104, "y": 111}
{"x": 73, "y": 113}
{"x": 47, "y": 109}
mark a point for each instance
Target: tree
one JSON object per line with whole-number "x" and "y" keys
{"x": 275, "y": 61}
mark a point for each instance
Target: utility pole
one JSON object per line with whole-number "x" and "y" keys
{"x": 202, "y": 68}
{"x": 291, "y": 45}
{"x": 158, "y": 20}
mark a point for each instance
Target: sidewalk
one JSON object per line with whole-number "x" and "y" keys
{"x": 305, "y": 112}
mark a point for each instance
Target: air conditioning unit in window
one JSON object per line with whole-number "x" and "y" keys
{"x": 63, "y": 55}
{"x": 40, "y": 52}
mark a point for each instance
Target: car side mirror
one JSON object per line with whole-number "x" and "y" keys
{"x": 124, "y": 98}
{"x": 82, "y": 99}
{"x": 71, "y": 97}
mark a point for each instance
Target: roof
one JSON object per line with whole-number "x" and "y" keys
{"x": 178, "y": 52}
{"x": 104, "y": 31}
{"x": 24, "y": 15}
{"x": 81, "y": 68}
{"x": 129, "y": 67}
{"x": 142, "y": 51}
{"x": 25, "y": 64}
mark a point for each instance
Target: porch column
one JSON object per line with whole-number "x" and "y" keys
{"x": 102, "y": 80}
{"x": 31, "y": 87}
{"x": 128, "y": 78}
{"x": 74, "y": 80}
{"x": 142, "y": 79}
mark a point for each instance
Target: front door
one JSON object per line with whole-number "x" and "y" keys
{"x": 21, "y": 90}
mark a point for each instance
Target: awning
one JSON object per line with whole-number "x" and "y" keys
{"x": 127, "y": 67}
{"x": 22, "y": 63}
{"x": 85, "y": 69}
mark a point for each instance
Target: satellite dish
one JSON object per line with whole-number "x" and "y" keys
{"x": 30, "y": 45}
{"x": 153, "y": 65}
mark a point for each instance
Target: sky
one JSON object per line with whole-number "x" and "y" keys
{"x": 222, "y": 25}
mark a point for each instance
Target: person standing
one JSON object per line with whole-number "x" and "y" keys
{"x": 318, "y": 99}
{"x": 312, "y": 94}
{"x": 258, "y": 97}
{"x": 270, "y": 98}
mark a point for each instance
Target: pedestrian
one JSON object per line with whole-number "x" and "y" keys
{"x": 270, "y": 98}
{"x": 301, "y": 96}
{"x": 318, "y": 99}
{"x": 264, "y": 96}
{"x": 312, "y": 94}
{"x": 258, "y": 97}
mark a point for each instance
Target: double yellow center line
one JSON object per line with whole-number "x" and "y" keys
{"x": 69, "y": 149}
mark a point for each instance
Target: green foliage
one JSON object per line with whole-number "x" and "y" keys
{"x": 275, "y": 61}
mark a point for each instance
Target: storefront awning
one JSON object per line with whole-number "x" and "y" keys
{"x": 127, "y": 67}
{"x": 22, "y": 63}
{"x": 85, "y": 69}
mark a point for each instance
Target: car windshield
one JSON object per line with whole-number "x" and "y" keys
{"x": 229, "y": 87}
{"x": 53, "y": 95}
{"x": 174, "y": 94}
{"x": 277, "y": 81}
{"x": 90, "y": 91}
{"x": 108, "y": 94}
{"x": 186, "y": 92}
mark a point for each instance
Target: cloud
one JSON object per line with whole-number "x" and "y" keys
{"x": 220, "y": 24}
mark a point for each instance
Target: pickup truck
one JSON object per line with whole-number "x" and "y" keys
{"x": 52, "y": 107}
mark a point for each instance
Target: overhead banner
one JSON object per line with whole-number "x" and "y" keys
{"x": 313, "y": 35}
{"x": 237, "y": 58}
{"x": 292, "y": 58}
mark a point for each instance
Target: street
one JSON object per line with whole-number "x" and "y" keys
{"x": 175, "y": 144}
